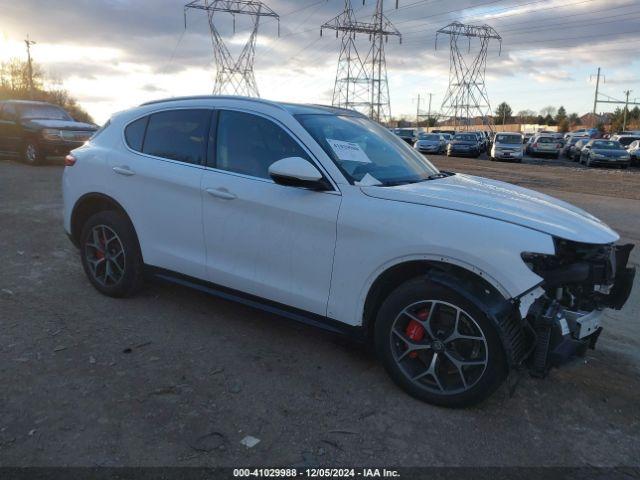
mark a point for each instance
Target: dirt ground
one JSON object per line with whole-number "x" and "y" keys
{"x": 173, "y": 377}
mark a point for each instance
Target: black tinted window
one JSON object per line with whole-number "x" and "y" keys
{"x": 134, "y": 133}
{"x": 249, "y": 144}
{"x": 178, "y": 135}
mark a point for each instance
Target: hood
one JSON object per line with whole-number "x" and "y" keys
{"x": 502, "y": 201}
{"x": 610, "y": 153}
{"x": 60, "y": 124}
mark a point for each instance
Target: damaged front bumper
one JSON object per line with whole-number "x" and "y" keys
{"x": 563, "y": 314}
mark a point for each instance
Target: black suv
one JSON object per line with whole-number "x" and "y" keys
{"x": 34, "y": 131}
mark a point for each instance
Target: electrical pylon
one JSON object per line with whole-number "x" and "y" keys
{"x": 234, "y": 76}
{"x": 467, "y": 95}
{"x": 361, "y": 83}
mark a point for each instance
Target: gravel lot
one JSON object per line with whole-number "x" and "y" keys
{"x": 174, "y": 377}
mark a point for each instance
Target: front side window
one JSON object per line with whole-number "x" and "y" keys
{"x": 359, "y": 147}
{"x": 249, "y": 144}
{"x": 178, "y": 135}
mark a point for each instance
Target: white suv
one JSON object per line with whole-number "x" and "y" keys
{"x": 324, "y": 216}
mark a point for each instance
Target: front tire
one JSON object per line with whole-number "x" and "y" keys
{"x": 31, "y": 154}
{"x": 438, "y": 346}
{"x": 110, "y": 254}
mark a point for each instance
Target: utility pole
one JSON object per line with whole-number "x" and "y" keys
{"x": 595, "y": 99}
{"x": 626, "y": 109}
{"x": 418, "y": 114}
{"x": 429, "y": 112}
{"x": 467, "y": 95}
{"x": 234, "y": 76}
{"x": 28, "y": 43}
{"x": 361, "y": 82}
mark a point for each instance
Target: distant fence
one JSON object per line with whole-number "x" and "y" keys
{"x": 509, "y": 127}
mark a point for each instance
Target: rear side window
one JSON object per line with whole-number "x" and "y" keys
{"x": 134, "y": 133}
{"x": 178, "y": 135}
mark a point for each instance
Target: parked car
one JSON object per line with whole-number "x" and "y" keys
{"x": 625, "y": 140}
{"x": 464, "y": 144}
{"x": 448, "y": 132}
{"x": 589, "y": 132}
{"x": 544, "y": 144}
{"x": 634, "y": 152}
{"x": 34, "y": 131}
{"x": 305, "y": 211}
{"x": 447, "y": 137}
{"x": 409, "y": 135}
{"x": 604, "y": 152}
{"x": 507, "y": 146}
{"x": 527, "y": 137}
{"x": 576, "y": 151}
{"x": 431, "y": 143}
{"x": 569, "y": 147}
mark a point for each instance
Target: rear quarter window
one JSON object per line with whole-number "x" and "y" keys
{"x": 134, "y": 133}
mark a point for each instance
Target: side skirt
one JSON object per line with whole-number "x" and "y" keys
{"x": 302, "y": 316}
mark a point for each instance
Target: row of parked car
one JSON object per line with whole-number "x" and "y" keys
{"x": 581, "y": 145}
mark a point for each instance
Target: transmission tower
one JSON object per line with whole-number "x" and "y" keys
{"x": 234, "y": 76}
{"x": 467, "y": 95}
{"x": 361, "y": 83}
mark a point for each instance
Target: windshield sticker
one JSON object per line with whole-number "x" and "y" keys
{"x": 369, "y": 181}
{"x": 348, "y": 151}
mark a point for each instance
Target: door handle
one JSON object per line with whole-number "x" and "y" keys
{"x": 223, "y": 194}
{"x": 126, "y": 171}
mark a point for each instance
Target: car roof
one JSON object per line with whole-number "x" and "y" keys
{"x": 27, "y": 102}
{"x": 508, "y": 133}
{"x": 292, "y": 108}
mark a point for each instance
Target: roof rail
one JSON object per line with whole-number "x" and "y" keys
{"x": 213, "y": 97}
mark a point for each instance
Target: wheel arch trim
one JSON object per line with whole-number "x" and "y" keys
{"x": 102, "y": 202}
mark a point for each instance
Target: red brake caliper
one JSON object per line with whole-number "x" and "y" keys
{"x": 100, "y": 252}
{"x": 415, "y": 331}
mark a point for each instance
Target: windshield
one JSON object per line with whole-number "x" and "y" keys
{"x": 48, "y": 112}
{"x": 509, "y": 139}
{"x": 361, "y": 147}
{"x": 465, "y": 138}
{"x": 433, "y": 138}
{"x": 606, "y": 145}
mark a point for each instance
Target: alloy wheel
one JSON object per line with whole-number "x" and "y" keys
{"x": 31, "y": 153}
{"x": 439, "y": 347}
{"x": 105, "y": 256}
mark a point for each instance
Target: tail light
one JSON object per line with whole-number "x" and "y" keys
{"x": 535, "y": 145}
{"x": 70, "y": 160}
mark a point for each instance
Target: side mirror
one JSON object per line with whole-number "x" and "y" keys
{"x": 298, "y": 172}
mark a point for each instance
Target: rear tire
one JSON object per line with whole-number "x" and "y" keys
{"x": 436, "y": 368}
{"x": 110, "y": 254}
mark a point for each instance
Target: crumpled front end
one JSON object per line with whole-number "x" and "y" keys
{"x": 565, "y": 310}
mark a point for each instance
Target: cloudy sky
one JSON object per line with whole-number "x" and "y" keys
{"x": 114, "y": 54}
